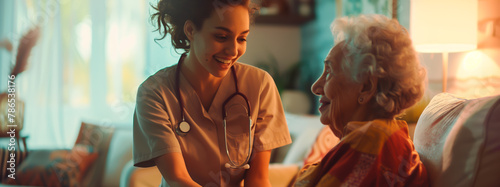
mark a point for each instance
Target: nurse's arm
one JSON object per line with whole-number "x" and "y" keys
{"x": 258, "y": 174}
{"x": 173, "y": 169}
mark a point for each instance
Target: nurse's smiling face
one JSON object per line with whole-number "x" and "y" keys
{"x": 221, "y": 40}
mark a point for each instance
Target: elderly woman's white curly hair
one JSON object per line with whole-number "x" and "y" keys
{"x": 374, "y": 45}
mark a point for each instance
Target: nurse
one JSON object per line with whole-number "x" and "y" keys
{"x": 193, "y": 120}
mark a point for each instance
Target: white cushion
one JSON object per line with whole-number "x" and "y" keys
{"x": 459, "y": 140}
{"x": 305, "y": 128}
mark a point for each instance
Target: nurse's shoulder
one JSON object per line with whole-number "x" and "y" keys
{"x": 158, "y": 87}
{"x": 163, "y": 78}
{"x": 251, "y": 72}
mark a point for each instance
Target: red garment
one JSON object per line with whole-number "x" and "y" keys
{"x": 374, "y": 153}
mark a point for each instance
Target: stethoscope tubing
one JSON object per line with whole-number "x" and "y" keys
{"x": 178, "y": 85}
{"x": 244, "y": 164}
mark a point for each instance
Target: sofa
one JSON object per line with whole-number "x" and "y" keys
{"x": 457, "y": 139}
{"x": 100, "y": 152}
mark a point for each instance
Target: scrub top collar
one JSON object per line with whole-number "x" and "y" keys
{"x": 226, "y": 88}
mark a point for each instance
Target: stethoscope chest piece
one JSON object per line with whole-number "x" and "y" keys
{"x": 183, "y": 128}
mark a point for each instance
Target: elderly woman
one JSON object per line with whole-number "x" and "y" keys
{"x": 371, "y": 75}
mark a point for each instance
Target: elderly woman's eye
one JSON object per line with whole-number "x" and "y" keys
{"x": 327, "y": 74}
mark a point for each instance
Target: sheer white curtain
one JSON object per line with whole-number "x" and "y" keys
{"x": 40, "y": 85}
{"x": 90, "y": 58}
{"x": 6, "y": 33}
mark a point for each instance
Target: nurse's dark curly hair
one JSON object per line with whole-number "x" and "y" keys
{"x": 172, "y": 14}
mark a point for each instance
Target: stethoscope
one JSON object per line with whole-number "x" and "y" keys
{"x": 183, "y": 128}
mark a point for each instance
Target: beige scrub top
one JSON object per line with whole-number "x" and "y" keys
{"x": 157, "y": 115}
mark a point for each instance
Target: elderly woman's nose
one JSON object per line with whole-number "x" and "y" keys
{"x": 317, "y": 87}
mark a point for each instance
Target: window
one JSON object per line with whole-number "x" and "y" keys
{"x": 87, "y": 65}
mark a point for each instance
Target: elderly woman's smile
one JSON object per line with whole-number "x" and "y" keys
{"x": 324, "y": 104}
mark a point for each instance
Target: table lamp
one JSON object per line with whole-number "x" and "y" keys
{"x": 443, "y": 26}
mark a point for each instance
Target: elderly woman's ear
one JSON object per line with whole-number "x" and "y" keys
{"x": 368, "y": 90}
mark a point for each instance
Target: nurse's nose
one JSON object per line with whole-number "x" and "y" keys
{"x": 231, "y": 48}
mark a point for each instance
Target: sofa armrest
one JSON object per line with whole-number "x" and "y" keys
{"x": 283, "y": 174}
{"x": 139, "y": 177}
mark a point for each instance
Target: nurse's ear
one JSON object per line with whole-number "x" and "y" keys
{"x": 189, "y": 29}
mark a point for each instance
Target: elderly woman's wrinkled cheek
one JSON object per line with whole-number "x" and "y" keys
{"x": 333, "y": 111}
{"x": 336, "y": 115}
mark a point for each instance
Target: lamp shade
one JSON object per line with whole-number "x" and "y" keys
{"x": 443, "y": 25}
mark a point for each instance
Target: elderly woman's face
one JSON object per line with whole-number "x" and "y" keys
{"x": 338, "y": 93}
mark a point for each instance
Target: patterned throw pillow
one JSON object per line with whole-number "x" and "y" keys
{"x": 55, "y": 167}
{"x": 325, "y": 141}
{"x": 69, "y": 167}
{"x": 78, "y": 161}
{"x": 99, "y": 137}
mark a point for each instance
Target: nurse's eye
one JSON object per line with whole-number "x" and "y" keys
{"x": 221, "y": 38}
{"x": 241, "y": 40}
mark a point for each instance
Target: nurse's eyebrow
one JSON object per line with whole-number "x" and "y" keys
{"x": 229, "y": 31}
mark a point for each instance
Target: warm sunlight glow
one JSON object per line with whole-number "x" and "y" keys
{"x": 84, "y": 38}
{"x": 122, "y": 42}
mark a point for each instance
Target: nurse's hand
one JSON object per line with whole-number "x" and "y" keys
{"x": 173, "y": 169}
{"x": 258, "y": 174}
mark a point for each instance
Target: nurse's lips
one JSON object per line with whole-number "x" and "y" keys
{"x": 324, "y": 103}
{"x": 224, "y": 62}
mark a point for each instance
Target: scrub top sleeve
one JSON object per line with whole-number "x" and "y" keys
{"x": 153, "y": 135}
{"x": 271, "y": 130}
